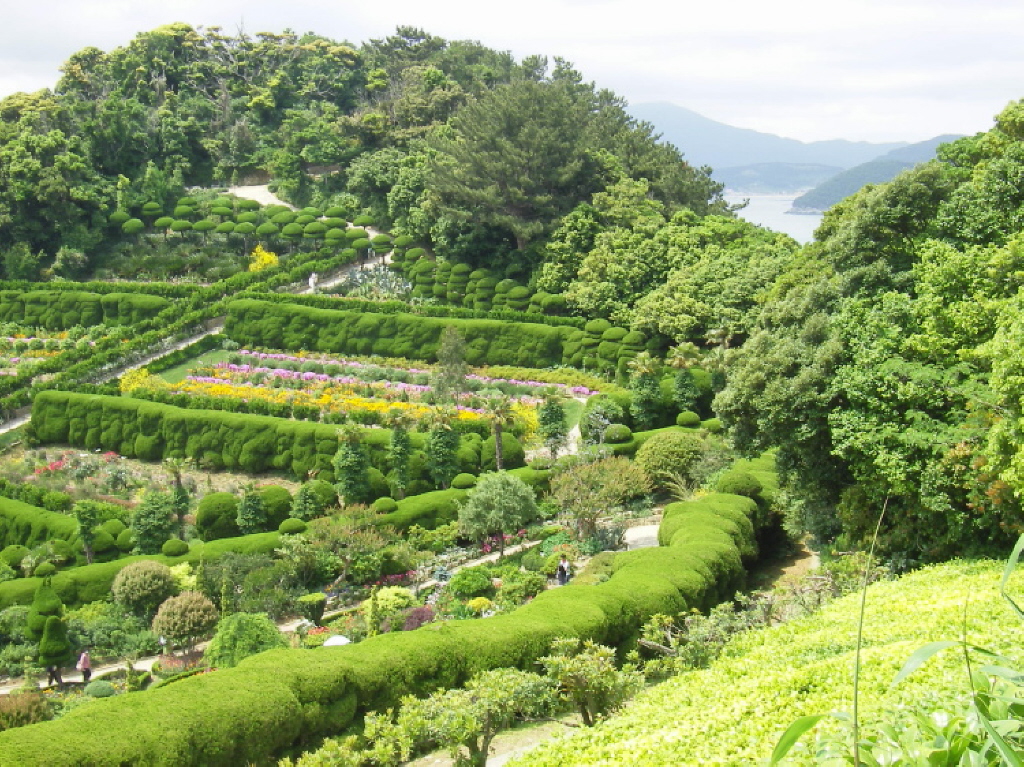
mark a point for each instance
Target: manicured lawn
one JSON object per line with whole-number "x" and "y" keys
{"x": 178, "y": 372}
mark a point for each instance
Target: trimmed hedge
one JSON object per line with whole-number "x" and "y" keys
{"x": 81, "y": 585}
{"x": 488, "y": 342}
{"x": 25, "y": 525}
{"x": 283, "y": 698}
{"x": 62, "y": 309}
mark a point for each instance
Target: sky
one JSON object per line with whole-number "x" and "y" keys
{"x": 867, "y": 70}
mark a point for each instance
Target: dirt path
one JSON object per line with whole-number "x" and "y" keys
{"x": 261, "y": 193}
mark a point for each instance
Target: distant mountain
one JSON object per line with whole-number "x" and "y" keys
{"x": 774, "y": 177}
{"x": 878, "y": 171}
{"x": 704, "y": 141}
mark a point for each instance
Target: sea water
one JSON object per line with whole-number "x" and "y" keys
{"x": 769, "y": 211}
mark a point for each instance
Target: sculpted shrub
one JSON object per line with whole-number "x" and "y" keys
{"x": 668, "y": 454}
{"x": 185, "y": 619}
{"x": 143, "y": 586}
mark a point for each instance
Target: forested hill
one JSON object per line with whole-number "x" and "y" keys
{"x": 404, "y": 126}
{"x": 886, "y": 364}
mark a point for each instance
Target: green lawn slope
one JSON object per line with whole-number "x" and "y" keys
{"x": 734, "y": 712}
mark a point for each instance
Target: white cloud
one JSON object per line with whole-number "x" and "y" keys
{"x": 859, "y": 69}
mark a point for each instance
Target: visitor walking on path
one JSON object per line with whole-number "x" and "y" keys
{"x": 563, "y": 572}
{"x": 85, "y": 665}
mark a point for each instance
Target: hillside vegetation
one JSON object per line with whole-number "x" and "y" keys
{"x": 734, "y": 712}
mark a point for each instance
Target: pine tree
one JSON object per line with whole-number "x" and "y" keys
{"x": 399, "y": 452}
{"x": 449, "y": 380}
{"x": 442, "y": 450}
{"x": 252, "y": 516}
{"x": 553, "y": 427}
{"x": 351, "y": 465}
{"x": 304, "y": 504}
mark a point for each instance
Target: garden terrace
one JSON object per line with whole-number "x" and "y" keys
{"x": 283, "y": 698}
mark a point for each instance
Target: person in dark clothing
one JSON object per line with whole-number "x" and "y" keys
{"x": 563, "y": 572}
{"x": 53, "y": 676}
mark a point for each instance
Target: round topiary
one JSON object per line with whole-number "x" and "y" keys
{"x": 292, "y": 526}
{"x": 463, "y": 481}
{"x": 13, "y": 555}
{"x": 125, "y": 540}
{"x": 277, "y": 504}
{"x": 617, "y": 434}
{"x": 142, "y": 586}
{"x": 471, "y": 582}
{"x": 688, "y": 419}
{"x": 114, "y": 526}
{"x": 384, "y": 505}
{"x": 174, "y": 547}
{"x": 100, "y": 688}
{"x": 712, "y": 426}
{"x": 667, "y": 454}
{"x": 44, "y": 570}
{"x": 740, "y": 483}
{"x": 597, "y": 327}
{"x": 614, "y": 334}
{"x": 103, "y": 542}
{"x": 215, "y": 516}
{"x": 324, "y": 494}
{"x": 512, "y": 454}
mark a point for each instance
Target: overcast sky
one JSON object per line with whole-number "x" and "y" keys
{"x": 876, "y": 70}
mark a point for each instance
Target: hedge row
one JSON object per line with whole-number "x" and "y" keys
{"x": 88, "y": 583}
{"x": 63, "y": 309}
{"x": 321, "y": 301}
{"x": 223, "y": 440}
{"x": 25, "y": 525}
{"x": 165, "y": 289}
{"x": 296, "y": 327}
{"x": 286, "y": 698}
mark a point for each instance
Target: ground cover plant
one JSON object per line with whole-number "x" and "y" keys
{"x": 735, "y": 711}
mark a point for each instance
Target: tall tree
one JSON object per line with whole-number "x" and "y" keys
{"x": 500, "y": 503}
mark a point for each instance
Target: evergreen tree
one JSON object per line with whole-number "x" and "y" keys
{"x": 153, "y": 522}
{"x": 304, "y": 505}
{"x": 442, "y": 449}
{"x": 399, "y": 452}
{"x": 252, "y": 515}
{"x": 553, "y": 427}
{"x": 643, "y": 385}
{"x": 54, "y": 647}
{"x": 351, "y": 465}
{"x": 45, "y": 605}
{"x": 449, "y": 380}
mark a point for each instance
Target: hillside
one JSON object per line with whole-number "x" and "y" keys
{"x": 878, "y": 171}
{"x": 708, "y": 142}
{"x": 734, "y": 712}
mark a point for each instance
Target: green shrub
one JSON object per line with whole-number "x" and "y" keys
{"x": 513, "y": 455}
{"x": 277, "y": 504}
{"x": 712, "y": 425}
{"x": 463, "y": 481}
{"x": 384, "y": 505}
{"x": 174, "y": 547}
{"x": 532, "y": 561}
{"x": 471, "y": 582}
{"x": 13, "y": 554}
{"x": 18, "y": 709}
{"x": 44, "y": 570}
{"x": 617, "y": 433}
{"x": 312, "y": 606}
{"x": 739, "y": 483}
{"x": 100, "y": 688}
{"x": 669, "y": 453}
{"x": 142, "y": 586}
{"x": 292, "y": 526}
{"x": 215, "y": 516}
{"x": 125, "y": 540}
{"x": 688, "y": 419}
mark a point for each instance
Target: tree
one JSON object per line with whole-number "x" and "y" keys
{"x": 45, "y": 605}
{"x": 180, "y": 500}
{"x": 399, "y": 452}
{"x": 681, "y": 358}
{"x": 667, "y": 455}
{"x": 553, "y": 427}
{"x": 252, "y": 516}
{"x": 500, "y": 503}
{"x": 442, "y": 449}
{"x": 644, "y": 386}
{"x": 153, "y": 522}
{"x": 185, "y": 619}
{"x": 516, "y": 158}
{"x": 304, "y": 504}
{"x": 498, "y": 410}
{"x": 449, "y": 379}
{"x": 88, "y": 514}
{"x": 143, "y": 586}
{"x": 588, "y": 678}
{"x": 240, "y": 635}
{"x": 54, "y": 647}
{"x": 351, "y": 465}
{"x": 586, "y": 489}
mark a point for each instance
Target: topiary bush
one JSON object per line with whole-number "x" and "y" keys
{"x": 513, "y": 455}
{"x": 44, "y": 570}
{"x": 277, "y": 505}
{"x": 712, "y": 425}
{"x": 667, "y": 454}
{"x": 740, "y": 483}
{"x": 100, "y": 688}
{"x": 463, "y": 481}
{"x": 471, "y": 582}
{"x": 688, "y": 419}
{"x": 215, "y": 516}
{"x": 174, "y": 547}
{"x": 292, "y": 526}
{"x": 142, "y": 586}
{"x": 384, "y": 505}
{"x": 617, "y": 434}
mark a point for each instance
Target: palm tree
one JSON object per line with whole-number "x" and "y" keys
{"x": 498, "y": 410}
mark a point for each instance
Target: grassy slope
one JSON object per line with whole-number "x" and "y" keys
{"x": 735, "y": 711}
